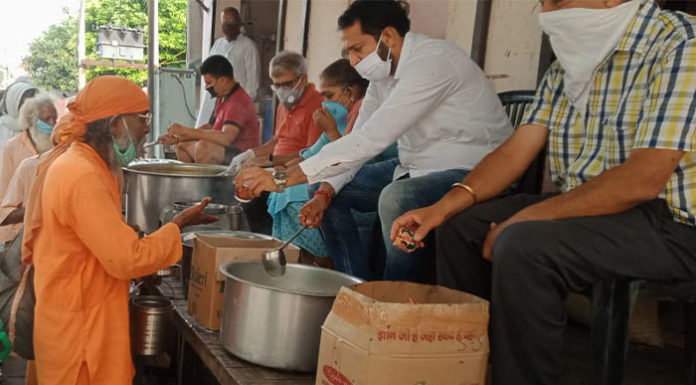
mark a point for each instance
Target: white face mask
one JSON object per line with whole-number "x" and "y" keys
{"x": 373, "y": 68}
{"x": 582, "y": 39}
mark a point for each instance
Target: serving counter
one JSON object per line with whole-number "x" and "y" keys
{"x": 205, "y": 344}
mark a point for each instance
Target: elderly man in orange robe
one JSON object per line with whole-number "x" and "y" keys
{"x": 83, "y": 252}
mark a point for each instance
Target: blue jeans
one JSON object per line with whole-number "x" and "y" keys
{"x": 371, "y": 190}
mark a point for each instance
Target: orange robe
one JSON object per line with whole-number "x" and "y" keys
{"x": 84, "y": 255}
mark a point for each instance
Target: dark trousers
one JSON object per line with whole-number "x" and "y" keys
{"x": 256, "y": 212}
{"x": 536, "y": 264}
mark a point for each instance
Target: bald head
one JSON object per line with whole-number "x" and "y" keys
{"x": 231, "y": 12}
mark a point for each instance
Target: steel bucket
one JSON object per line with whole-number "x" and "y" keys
{"x": 276, "y": 321}
{"x": 149, "y": 324}
{"x": 150, "y": 187}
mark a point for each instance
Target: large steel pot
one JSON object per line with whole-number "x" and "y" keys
{"x": 276, "y": 321}
{"x": 151, "y": 187}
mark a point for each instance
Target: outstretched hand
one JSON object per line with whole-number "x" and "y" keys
{"x": 194, "y": 215}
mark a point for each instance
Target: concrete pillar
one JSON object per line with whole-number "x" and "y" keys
{"x": 324, "y": 41}
{"x": 459, "y": 29}
{"x": 514, "y": 44}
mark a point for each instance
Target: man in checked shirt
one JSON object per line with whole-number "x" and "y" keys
{"x": 617, "y": 111}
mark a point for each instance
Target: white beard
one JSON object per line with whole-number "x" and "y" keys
{"x": 42, "y": 141}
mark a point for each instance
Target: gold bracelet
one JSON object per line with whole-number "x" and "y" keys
{"x": 467, "y": 188}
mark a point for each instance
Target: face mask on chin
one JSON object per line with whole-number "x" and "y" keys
{"x": 582, "y": 39}
{"x": 125, "y": 157}
{"x": 373, "y": 68}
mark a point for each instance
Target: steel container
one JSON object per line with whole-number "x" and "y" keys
{"x": 149, "y": 324}
{"x": 276, "y": 321}
{"x": 150, "y": 187}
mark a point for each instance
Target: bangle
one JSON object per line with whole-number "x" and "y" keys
{"x": 325, "y": 194}
{"x": 467, "y": 188}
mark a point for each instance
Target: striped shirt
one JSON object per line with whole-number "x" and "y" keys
{"x": 642, "y": 96}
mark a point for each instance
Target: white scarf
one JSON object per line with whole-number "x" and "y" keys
{"x": 12, "y": 99}
{"x": 582, "y": 39}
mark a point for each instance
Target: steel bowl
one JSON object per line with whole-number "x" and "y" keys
{"x": 150, "y": 187}
{"x": 276, "y": 321}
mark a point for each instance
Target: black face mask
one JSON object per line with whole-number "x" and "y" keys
{"x": 232, "y": 31}
{"x": 211, "y": 91}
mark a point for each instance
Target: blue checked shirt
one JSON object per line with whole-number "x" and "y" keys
{"x": 642, "y": 96}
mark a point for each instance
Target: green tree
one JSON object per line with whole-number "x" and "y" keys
{"x": 130, "y": 13}
{"x": 52, "y": 60}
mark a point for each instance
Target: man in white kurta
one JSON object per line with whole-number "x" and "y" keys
{"x": 241, "y": 52}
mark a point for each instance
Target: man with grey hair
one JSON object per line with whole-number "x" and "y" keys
{"x": 294, "y": 130}
{"x": 37, "y": 116}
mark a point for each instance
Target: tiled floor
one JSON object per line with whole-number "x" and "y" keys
{"x": 13, "y": 371}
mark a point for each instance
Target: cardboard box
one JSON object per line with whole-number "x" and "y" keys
{"x": 399, "y": 333}
{"x": 207, "y": 283}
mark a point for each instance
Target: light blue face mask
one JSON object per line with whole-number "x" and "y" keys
{"x": 336, "y": 109}
{"x": 44, "y": 127}
{"x": 125, "y": 157}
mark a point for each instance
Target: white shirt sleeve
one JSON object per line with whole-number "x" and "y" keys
{"x": 339, "y": 181}
{"x": 421, "y": 87}
{"x": 252, "y": 63}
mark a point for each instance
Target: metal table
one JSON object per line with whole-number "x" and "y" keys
{"x": 226, "y": 368}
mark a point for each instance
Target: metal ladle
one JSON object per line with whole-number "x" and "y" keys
{"x": 274, "y": 259}
{"x": 151, "y": 144}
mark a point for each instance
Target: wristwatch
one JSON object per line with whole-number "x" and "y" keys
{"x": 280, "y": 178}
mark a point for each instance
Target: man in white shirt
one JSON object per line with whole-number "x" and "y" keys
{"x": 242, "y": 54}
{"x": 424, "y": 93}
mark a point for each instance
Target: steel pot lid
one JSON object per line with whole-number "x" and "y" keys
{"x": 298, "y": 279}
{"x": 187, "y": 237}
{"x": 188, "y": 170}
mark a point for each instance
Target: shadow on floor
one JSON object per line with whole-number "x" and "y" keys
{"x": 646, "y": 365}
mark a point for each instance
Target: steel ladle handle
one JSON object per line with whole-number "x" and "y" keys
{"x": 292, "y": 238}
